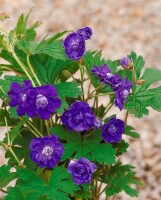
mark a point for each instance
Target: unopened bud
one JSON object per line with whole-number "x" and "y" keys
{"x": 141, "y": 82}
{"x": 66, "y": 73}
{"x": 4, "y": 16}
{"x": 126, "y": 63}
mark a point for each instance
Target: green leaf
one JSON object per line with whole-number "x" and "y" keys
{"x": 5, "y": 176}
{"x": 90, "y": 148}
{"x": 21, "y": 148}
{"x": 120, "y": 177}
{"x": 10, "y": 121}
{"x": 48, "y": 68}
{"x": 138, "y": 63}
{"x": 54, "y": 49}
{"x": 14, "y": 193}
{"x": 67, "y": 90}
{"x": 83, "y": 193}
{"x": 34, "y": 187}
{"x": 130, "y": 131}
{"x": 143, "y": 97}
{"x": 121, "y": 147}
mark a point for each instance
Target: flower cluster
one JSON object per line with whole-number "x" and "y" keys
{"x": 121, "y": 87}
{"x": 80, "y": 117}
{"x": 74, "y": 43}
{"x": 41, "y": 101}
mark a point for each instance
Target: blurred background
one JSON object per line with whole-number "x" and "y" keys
{"x": 119, "y": 26}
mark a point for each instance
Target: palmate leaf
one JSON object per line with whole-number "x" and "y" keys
{"x": 52, "y": 48}
{"x": 120, "y": 177}
{"x": 59, "y": 186}
{"x": 6, "y": 176}
{"x": 48, "y": 68}
{"x": 14, "y": 193}
{"x": 90, "y": 148}
{"x": 143, "y": 97}
{"x": 67, "y": 90}
{"x": 121, "y": 147}
{"x": 130, "y": 131}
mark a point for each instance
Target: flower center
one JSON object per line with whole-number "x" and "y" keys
{"x": 125, "y": 93}
{"x": 47, "y": 151}
{"x": 23, "y": 98}
{"x": 109, "y": 75}
{"x": 41, "y": 101}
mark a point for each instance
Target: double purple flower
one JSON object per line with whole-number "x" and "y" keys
{"x": 121, "y": 87}
{"x": 81, "y": 170}
{"x": 79, "y": 117}
{"x": 41, "y": 101}
{"x": 17, "y": 94}
{"x": 74, "y": 43}
{"x": 47, "y": 151}
{"x": 112, "y": 131}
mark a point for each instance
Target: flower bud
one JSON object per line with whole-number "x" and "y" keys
{"x": 141, "y": 82}
{"x": 126, "y": 63}
{"x": 4, "y": 16}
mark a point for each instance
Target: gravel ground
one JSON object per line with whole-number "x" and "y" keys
{"x": 119, "y": 27}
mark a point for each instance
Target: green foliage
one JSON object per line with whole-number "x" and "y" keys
{"x": 53, "y": 49}
{"x": 33, "y": 187}
{"x": 67, "y": 90}
{"x": 84, "y": 192}
{"x": 130, "y": 131}
{"x": 143, "y": 96}
{"x": 120, "y": 177}
{"x": 6, "y": 176}
{"x": 48, "y": 68}
{"x": 121, "y": 147}
{"x": 89, "y": 147}
{"x": 20, "y": 146}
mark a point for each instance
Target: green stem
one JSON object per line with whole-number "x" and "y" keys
{"x": 31, "y": 68}
{"x": 35, "y": 129}
{"x": 47, "y": 127}
{"x": 108, "y": 109}
{"x": 32, "y": 130}
{"x": 14, "y": 155}
{"x": 22, "y": 67}
{"x": 99, "y": 95}
{"x": 8, "y": 137}
{"x": 82, "y": 75}
{"x": 134, "y": 73}
{"x": 126, "y": 117}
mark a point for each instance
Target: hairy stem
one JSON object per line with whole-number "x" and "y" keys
{"x": 126, "y": 117}
{"x": 22, "y": 67}
{"x": 31, "y": 68}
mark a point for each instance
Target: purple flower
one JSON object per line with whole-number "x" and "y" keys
{"x": 42, "y": 101}
{"x": 126, "y": 62}
{"x": 112, "y": 130}
{"x": 81, "y": 170}
{"x": 122, "y": 93}
{"x": 78, "y": 117}
{"x": 103, "y": 72}
{"x": 74, "y": 46}
{"x": 18, "y": 94}
{"x": 86, "y": 32}
{"x": 97, "y": 123}
{"x": 47, "y": 151}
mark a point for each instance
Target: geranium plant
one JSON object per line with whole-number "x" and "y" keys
{"x": 61, "y": 143}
